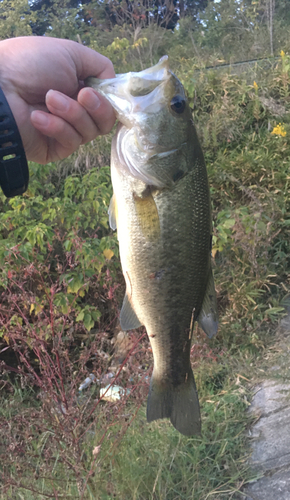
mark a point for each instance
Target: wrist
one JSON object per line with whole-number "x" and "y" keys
{"x": 14, "y": 173}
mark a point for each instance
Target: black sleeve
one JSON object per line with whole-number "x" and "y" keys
{"x": 14, "y": 175}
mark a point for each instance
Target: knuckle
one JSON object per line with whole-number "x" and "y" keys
{"x": 109, "y": 64}
{"x": 68, "y": 137}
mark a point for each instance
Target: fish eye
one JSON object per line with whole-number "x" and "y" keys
{"x": 177, "y": 104}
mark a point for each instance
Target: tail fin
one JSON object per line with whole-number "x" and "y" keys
{"x": 179, "y": 403}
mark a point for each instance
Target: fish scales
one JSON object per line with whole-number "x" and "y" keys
{"x": 163, "y": 218}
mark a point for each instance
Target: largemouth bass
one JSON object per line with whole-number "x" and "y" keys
{"x": 161, "y": 209}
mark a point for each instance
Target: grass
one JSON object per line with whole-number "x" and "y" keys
{"x": 139, "y": 461}
{"x": 157, "y": 463}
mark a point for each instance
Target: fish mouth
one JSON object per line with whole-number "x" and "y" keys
{"x": 135, "y": 92}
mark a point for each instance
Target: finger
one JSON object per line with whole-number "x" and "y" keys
{"x": 88, "y": 62}
{"x": 92, "y": 116}
{"x": 103, "y": 115}
{"x": 65, "y": 138}
{"x": 74, "y": 114}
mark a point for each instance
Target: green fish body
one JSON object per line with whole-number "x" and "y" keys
{"x": 161, "y": 209}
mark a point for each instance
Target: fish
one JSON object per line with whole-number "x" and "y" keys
{"x": 161, "y": 209}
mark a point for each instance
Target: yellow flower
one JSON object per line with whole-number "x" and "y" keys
{"x": 282, "y": 53}
{"x": 279, "y": 130}
{"x": 256, "y": 85}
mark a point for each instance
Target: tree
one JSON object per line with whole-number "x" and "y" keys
{"x": 59, "y": 18}
{"x": 15, "y": 18}
{"x": 109, "y": 13}
{"x": 165, "y": 13}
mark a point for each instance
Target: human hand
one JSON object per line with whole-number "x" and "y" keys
{"x": 42, "y": 79}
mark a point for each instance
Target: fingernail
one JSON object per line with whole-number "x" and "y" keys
{"x": 57, "y": 100}
{"x": 91, "y": 101}
{"x": 40, "y": 118}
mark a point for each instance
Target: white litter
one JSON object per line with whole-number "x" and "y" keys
{"x": 113, "y": 393}
{"x": 87, "y": 382}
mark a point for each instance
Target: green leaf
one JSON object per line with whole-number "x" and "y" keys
{"x": 88, "y": 321}
{"x": 80, "y": 316}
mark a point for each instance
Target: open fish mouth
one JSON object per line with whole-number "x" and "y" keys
{"x": 135, "y": 92}
{"x": 146, "y": 103}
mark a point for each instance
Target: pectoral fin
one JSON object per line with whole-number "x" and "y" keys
{"x": 147, "y": 216}
{"x": 128, "y": 317}
{"x": 208, "y": 316}
{"x": 113, "y": 213}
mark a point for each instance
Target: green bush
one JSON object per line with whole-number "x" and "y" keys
{"x": 58, "y": 247}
